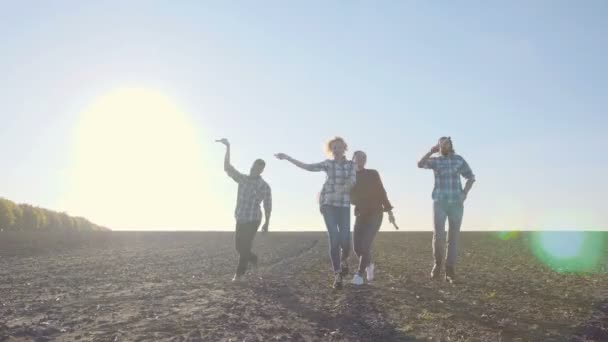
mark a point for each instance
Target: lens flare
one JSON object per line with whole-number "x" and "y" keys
{"x": 508, "y": 235}
{"x": 568, "y": 251}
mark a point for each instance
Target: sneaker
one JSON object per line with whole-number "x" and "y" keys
{"x": 237, "y": 278}
{"x": 254, "y": 266}
{"x": 370, "y": 272}
{"x": 435, "y": 272}
{"x": 450, "y": 275}
{"x": 357, "y": 280}
{"x": 344, "y": 269}
{"x": 338, "y": 281}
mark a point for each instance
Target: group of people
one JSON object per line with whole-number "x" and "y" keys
{"x": 348, "y": 183}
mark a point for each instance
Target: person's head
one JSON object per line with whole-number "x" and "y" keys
{"x": 360, "y": 158}
{"x": 446, "y": 147}
{"x": 336, "y": 147}
{"x": 257, "y": 168}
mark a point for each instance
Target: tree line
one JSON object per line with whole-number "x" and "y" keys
{"x": 26, "y": 217}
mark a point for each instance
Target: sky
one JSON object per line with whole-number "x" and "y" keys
{"x": 110, "y": 109}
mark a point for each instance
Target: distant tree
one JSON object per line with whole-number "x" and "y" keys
{"x": 53, "y": 220}
{"x": 18, "y": 215}
{"x": 67, "y": 222}
{"x": 32, "y": 218}
{"x": 7, "y": 214}
{"x": 25, "y": 217}
{"x": 82, "y": 224}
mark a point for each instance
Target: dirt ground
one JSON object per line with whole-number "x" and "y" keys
{"x": 176, "y": 287}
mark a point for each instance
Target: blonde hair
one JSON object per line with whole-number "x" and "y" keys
{"x": 332, "y": 141}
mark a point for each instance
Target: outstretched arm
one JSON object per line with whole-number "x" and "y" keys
{"x": 308, "y": 167}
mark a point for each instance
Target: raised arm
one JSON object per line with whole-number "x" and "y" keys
{"x": 308, "y": 167}
{"x": 230, "y": 170}
{"x": 426, "y": 162}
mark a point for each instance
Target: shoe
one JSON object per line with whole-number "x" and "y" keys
{"x": 357, "y": 280}
{"x": 254, "y": 266}
{"x": 435, "y": 272}
{"x": 237, "y": 278}
{"x": 338, "y": 281}
{"x": 344, "y": 269}
{"x": 450, "y": 275}
{"x": 370, "y": 272}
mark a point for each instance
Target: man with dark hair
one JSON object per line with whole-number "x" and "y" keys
{"x": 448, "y": 199}
{"x": 251, "y": 192}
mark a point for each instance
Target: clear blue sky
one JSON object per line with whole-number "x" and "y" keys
{"x": 520, "y": 86}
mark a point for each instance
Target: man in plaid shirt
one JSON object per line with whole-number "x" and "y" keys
{"x": 448, "y": 198}
{"x": 251, "y": 192}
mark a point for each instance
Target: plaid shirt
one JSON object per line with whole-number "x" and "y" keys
{"x": 341, "y": 177}
{"x": 448, "y": 170}
{"x": 252, "y": 191}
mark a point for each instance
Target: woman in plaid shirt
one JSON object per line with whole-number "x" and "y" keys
{"x": 334, "y": 201}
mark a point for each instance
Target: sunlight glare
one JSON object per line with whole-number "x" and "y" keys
{"x": 138, "y": 163}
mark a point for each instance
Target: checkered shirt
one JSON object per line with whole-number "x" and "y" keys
{"x": 252, "y": 191}
{"x": 448, "y": 170}
{"x": 341, "y": 176}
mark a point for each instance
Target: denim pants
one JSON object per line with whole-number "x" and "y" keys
{"x": 366, "y": 228}
{"x": 453, "y": 211}
{"x": 337, "y": 222}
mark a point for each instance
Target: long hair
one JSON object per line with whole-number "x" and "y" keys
{"x": 449, "y": 139}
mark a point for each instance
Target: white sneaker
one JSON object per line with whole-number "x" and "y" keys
{"x": 357, "y": 280}
{"x": 370, "y": 272}
{"x": 237, "y": 278}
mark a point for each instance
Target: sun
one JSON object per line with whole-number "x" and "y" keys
{"x": 138, "y": 163}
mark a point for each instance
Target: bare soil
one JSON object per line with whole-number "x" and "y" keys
{"x": 127, "y": 286}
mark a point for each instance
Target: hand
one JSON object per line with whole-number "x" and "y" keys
{"x": 435, "y": 149}
{"x": 265, "y": 228}
{"x": 223, "y": 141}
{"x": 391, "y": 219}
{"x": 281, "y": 156}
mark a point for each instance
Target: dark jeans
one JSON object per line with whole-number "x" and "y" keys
{"x": 245, "y": 233}
{"x": 337, "y": 222}
{"x": 366, "y": 228}
{"x": 453, "y": 211}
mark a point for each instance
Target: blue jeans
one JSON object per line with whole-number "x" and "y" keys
{"x": 337, "y": 222}
{"x": 453, "y": 211}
